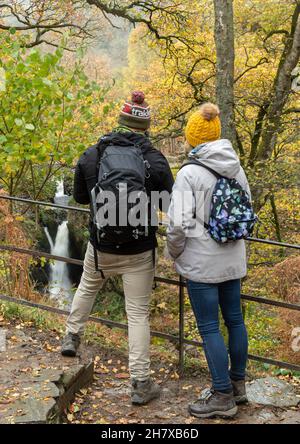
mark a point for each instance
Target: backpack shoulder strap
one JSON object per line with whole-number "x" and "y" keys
{"x": 100, "y": 150}
{"x": 217, "y": 176}
{"x": 196, "y": 162}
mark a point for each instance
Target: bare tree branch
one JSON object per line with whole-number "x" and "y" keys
{"x": 260, "y": 62}
{"x": 291, "y": 111}
{"x": 40, "y": 17}
{"x": 147, "y": 12}
{"x": 278, "y": 31}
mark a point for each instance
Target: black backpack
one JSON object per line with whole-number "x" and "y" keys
{"x": 122, "y": 173}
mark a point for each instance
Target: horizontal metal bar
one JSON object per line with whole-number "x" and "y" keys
{"x": 95, "y": 319}
{"x": 44, "y": 204}
{"x": 163, "y": 280}
{"x": 245, "y": 297}
{"x": 275, "y": 243}
{"x": 85, "y": 210}
{"x": 35, "y": 253}
{"x": 276, "y": 363}
{"x": 160, "y": 279}
{"x": 257, "y": 358}
{"x": 166, "y": 336}
{"x": 267, "y": 301}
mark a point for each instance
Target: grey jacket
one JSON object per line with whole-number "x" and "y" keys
{"x": 197, "y": 256}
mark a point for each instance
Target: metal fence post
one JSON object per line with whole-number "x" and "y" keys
{"x": 181, "y": 326}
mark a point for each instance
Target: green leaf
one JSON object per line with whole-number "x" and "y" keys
{"x": 19, "y": 122}
{"x": 106, "y": 109}
{"x": 76, "y": 408}
{"x": 12, "y": 30}
{"x": 30, "y": 127}
{"x": 20, "y": 67}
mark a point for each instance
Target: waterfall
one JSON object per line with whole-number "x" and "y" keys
{"x": 60, "y": 190}
{"x": 59, "y": 283}
{"x": 60, "y": 197}
{"x": 49, "y": 239}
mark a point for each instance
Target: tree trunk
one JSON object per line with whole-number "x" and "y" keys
{"x": 281, "y": 89}
{"x": 224, "y": 38}
{"x": 271, "y": 117}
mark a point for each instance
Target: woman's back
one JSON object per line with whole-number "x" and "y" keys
{"x": 203, "y": 259}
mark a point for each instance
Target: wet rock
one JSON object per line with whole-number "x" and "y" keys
{"x": 41, "y": 390}
{"x": 291, "y": 417}
{"x": 72, "y": 381}
{"x": 266, "y": 416}
{"x": 32, "y": 411}
{"x": 272, "y": 391}
{"x": 41, "y": 400}
{"x": 71, "y": 374}
{"x": 5, "y": 377}
{"x": 51, "y": 374}
{"x": 37, "y": 385}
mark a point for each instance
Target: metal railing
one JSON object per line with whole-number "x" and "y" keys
{"x": 180, "y": 283}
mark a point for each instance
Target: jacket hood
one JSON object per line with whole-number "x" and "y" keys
{"x": 126, "y": 139}
{"x": 219, "y": 156}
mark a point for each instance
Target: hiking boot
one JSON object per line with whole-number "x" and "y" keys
{"x": 239, "y": 391}
{"x": 70, "y": 345}
{"x": 213, "y": 403}
{"x": 144, "y": 391}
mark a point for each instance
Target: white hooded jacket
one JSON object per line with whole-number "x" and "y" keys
{"x": 197, "y": 256}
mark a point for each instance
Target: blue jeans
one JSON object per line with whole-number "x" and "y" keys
{"x": 205, "y": 300}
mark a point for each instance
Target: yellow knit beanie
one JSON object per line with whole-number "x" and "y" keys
{"x": 204, "y": 125}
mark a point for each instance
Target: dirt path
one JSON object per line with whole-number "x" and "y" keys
{"x": 106, "y": 400}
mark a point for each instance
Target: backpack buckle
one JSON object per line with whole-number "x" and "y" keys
{"x": 148, "y": 166}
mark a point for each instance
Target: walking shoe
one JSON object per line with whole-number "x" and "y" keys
{"x": 239, "y": 392}
{"x": 70, "y": 345}
{"x": 144, "y": 391}
{"x": 213, "y": 403}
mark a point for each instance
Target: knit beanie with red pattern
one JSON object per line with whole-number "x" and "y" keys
{"x": 136, "y": 113}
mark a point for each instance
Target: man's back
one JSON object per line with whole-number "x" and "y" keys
{"x": 86, "y": 177}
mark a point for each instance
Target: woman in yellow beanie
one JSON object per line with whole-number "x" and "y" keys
{"x": 213, "y": 270}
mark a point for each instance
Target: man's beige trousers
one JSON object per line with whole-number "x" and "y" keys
{"x": 138, "y": 274}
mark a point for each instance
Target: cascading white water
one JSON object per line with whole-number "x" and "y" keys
{"x": 49, "y": 238}
{"x": 60, "y": 197}
{"x": 60, "y": 190}
{"x": 59, "y": 284}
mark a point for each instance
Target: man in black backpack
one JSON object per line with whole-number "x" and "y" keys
{"x": 125, "y": 156}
